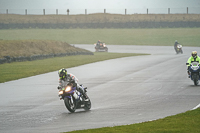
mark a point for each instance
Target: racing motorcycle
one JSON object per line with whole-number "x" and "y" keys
{"x": 101, "y": 47}
{"x": 73, "y": 99}
{"x": 179, "y": 49}
{"x": 194, "y": 70}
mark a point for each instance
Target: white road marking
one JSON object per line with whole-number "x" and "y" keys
{"x": 196, "y": 107}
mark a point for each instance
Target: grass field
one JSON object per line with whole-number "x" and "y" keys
{"x": 162, "y": 36}
{"x": 31, "y": 68}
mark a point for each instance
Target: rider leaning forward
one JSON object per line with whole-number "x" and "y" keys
{"x": 193, "y": 58}
{"x": 66, "y": 78}
{"x": 175, "y": 45}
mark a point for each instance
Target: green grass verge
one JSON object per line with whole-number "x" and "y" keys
{"x": 17, "y": 70}
{"x": 159, "y": 37}
{"x": 187, "y": 122}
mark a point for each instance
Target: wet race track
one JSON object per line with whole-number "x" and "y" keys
{"x": 122, "y": 91}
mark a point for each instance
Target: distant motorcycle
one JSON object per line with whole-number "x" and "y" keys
{"x": 101, "y": 47}
{"x": 73, "y": 99}
{"x": 179, "y": 49}
{"x": 194, "y": 70}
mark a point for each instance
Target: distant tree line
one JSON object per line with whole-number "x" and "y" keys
{"x": 99, "y": 21}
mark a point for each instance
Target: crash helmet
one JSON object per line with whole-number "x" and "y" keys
{"x": 194, "y": 54}
{"x": 62, "y": 73}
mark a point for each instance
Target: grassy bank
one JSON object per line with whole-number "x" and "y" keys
{"x": 162, "y": 36}
{"x": 187, "y": 122}
{"x": 27, "y": 48}
{"x": 31, "y": 68}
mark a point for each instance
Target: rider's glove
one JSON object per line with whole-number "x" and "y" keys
{"x": 72, "y": 81}
{"x": 188, "y": 68}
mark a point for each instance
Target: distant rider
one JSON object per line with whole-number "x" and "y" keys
{"x": 98, "y": 43}
{"x": 65, "y": 78}
{"x": 175, "y": 45}
{"x": 193, "y": 58}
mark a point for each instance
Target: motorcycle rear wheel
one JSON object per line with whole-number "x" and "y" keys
{"x": 70, "y": 104}
{"x": 87, "y": 105}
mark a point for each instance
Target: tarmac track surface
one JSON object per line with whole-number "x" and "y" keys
{"x": 122, "y": 91}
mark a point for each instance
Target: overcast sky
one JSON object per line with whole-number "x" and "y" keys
{"x": 98, "y": 4}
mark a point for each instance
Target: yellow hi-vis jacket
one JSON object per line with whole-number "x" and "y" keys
{"x": 192, "y": 59}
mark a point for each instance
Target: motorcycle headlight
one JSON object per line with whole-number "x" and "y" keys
{"x": 60, "y": 92}
{"x": 68, "y": 88}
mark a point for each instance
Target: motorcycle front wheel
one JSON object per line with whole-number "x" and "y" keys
{"x": 106, "y": 49}
{"x": 196, "y": 82}
{"x": 195, "y": 78}
{"x": 181, "y": 51}
{"x": 70, "y": 104}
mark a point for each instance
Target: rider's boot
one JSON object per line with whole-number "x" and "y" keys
{"x": 85, "y": 97}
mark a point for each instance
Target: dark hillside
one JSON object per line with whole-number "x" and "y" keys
{"x": 99, "y": 21}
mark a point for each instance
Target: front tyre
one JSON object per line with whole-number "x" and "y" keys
{"x": 196, "y": 82}
{"x": 96, "y": 50}
{"x": 70, "y": 104}
{"x": 106, "y": 49}
{"x": 181, "y": 51}
{"x": 195, "y": 79}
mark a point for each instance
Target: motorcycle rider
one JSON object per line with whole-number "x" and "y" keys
{"x": 98, "y": 43}
{"x": 65, "y": 78}
{"x": 193, "y": 58}
{"x": 175, "y": 45}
